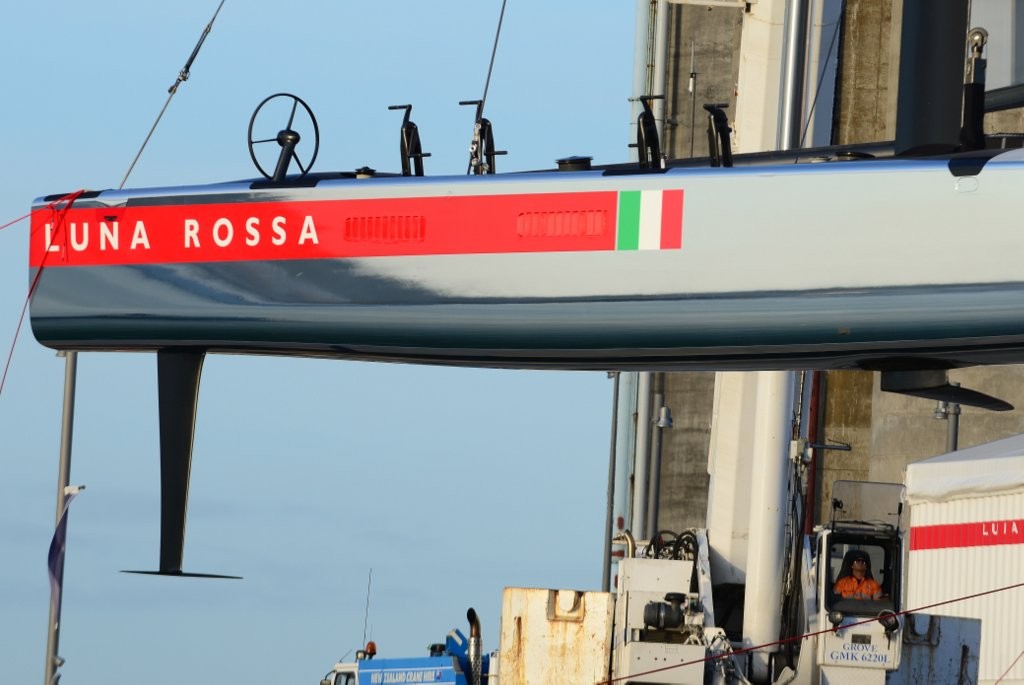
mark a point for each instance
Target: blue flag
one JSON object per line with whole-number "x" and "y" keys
{"x": 55, "y": 559}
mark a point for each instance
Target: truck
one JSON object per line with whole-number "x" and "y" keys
{"x": 456, "y": 661}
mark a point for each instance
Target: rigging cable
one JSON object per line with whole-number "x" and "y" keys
{"x": 487, "y": 81}
{"x": 494, "y": 50}
{"x": 1010, "y": 668}
{"x": 182, "y": 77}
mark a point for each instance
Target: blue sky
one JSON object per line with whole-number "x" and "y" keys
{"x": 449, "y": 483}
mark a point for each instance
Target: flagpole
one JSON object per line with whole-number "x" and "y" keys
{"x": 53, "y": 661}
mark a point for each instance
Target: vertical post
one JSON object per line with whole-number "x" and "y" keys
{"x": 606, "y": 566}
{"x": 953, "y": 429}
{"x": 625, "y": 445}
{"x": 53, "y": 662}
{"x": 654, "y": 498}
{"x": 952, "y": 411}
{"x": 693, "y": 92}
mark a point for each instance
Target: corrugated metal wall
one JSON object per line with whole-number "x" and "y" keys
{"x": 946, "y": 573}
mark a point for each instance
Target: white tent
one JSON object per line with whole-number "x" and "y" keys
{"x": 988, "y": 469}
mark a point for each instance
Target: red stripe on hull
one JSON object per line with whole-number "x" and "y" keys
{"x": 324, "y": 229}
{"x": 978, "y": 534}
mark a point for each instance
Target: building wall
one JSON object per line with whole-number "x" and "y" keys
{"x": 710, "y": 34}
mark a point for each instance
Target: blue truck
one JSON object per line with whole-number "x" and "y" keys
{"x": 457, "y": 661}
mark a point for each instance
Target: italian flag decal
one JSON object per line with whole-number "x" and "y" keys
{"x": 650, "y": 220}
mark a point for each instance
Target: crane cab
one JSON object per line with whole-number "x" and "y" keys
{"x": 860, "y": 557}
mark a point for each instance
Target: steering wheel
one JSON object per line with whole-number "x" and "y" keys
{"x": 287, "y": 138}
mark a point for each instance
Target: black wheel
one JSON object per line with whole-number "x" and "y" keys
{"x": 287, "y": 138}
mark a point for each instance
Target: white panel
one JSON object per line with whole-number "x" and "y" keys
{"x": 662, "y": 664}
{"x": 650, "y": 221}
{"x": 729, "y": 462}
{"x": 757, "y": 93}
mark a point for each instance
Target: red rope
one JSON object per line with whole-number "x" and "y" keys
{"x": 59, "y": 215}
{"x": 1007, "y": 671}
{"x": 814, "y": 634}
{"x": 20, "y": 218}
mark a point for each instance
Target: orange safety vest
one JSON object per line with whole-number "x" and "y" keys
{"x": 849, "y": 586}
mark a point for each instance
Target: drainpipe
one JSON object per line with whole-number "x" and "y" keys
{"x": 657, "y": 84}
{"x": 813, "y": 438}
{"x": 794, "y": 68}
{"x": 660, "y": 420}
{"x": 650, "y": 55}
{"x": 639, "y": 70}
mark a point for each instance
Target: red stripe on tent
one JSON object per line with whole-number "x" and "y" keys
{"x": 672, "y": 220}
{"x": 325, "y": 229}
{"x": 978, "y": 534}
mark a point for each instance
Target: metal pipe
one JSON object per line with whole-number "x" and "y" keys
{"x": 475, "y": 652}
{"x": 654, "y": 497}
{"x": 794, "y": 68}
{"x": 952, "y": 412}
{"x": 639, "y": 69}
{"x": 953, "y": 427}
{"x": 641, "y": 457}
{"x": 814, "y": 416}
{"x": 606, "y": 565}
{"x": 626, "y": 538}
{"x": 53, "y": 661}
{"x": 692, "y": 87}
